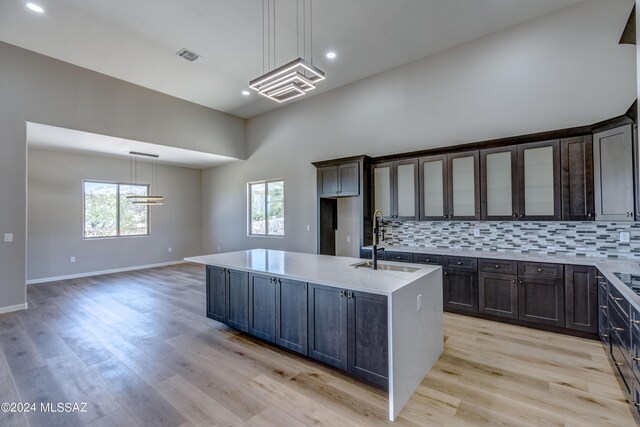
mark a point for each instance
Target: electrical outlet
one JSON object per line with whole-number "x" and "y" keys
{"x": 476, "y": 232}
{"x": 170, "y": 250}
{"x": 8, "y": 237}
{"x": 308, "y": 227}
{"x": 625, "y": 237}
{"x": 348, "y": 239}
{"x": 419, "y": 302}
{"x": 218, "y": 248}
{"x": 72, "y": 259}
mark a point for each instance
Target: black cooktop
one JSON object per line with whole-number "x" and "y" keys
{"x": 631, "y": 280}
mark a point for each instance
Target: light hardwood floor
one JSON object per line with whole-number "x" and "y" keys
{"x": 139, "y": 350}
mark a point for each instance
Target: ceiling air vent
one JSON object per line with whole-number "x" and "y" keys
{"x": 188, "y": 55}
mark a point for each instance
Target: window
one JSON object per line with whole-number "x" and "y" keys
{"x": 266, "y": 208}
{"x": 108, "y": 212}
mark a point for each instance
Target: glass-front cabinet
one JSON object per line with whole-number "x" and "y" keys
{"x": 539, "y": 181}
{"x": 395, "y": 189}
{"x": 449, "y": 187}
{"x": 499, "y": 183}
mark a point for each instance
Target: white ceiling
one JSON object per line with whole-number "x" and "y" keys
{"x": 61, "y": 139}
{"x": 136, "y": 40}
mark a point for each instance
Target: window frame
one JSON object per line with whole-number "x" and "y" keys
{"x": 118, "y": 235}
{"x": 266, "y": 183}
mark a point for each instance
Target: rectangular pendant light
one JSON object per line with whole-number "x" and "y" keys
{"x": 288, "y": 81}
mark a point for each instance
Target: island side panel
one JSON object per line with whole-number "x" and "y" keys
{"x": 416, "y": 338}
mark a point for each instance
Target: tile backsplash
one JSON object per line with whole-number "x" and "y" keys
{"x": 592, "y": 239}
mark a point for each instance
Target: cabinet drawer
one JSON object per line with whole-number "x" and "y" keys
{"x": 619, "y": 301}
{"x": 461, "y": 263}
{"x": 398, "y": 256}
{"x": 539, "y": 269}
{"x": 617, "y": 354}
{"x": 620, "y": 329}
{"x": 497, "y": 266}
{"x": 427, "y": 259}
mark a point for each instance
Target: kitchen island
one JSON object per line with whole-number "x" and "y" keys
{"x": 383, "y": 326}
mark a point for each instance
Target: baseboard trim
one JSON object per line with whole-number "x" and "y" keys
{"x": 101, "y": 272}
{"x": 12, "y": 308}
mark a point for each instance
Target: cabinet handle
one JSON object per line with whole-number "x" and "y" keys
{"x": 514, "y": 280}
{"x": 636, "y": 404}
{"x": 589, "y": 215}
{"x": 539, "y": 270}
{"x": 521, "y": 282}
{"x": 635, "y": 322}
{"x": 349, "y": 295}
{"x": 497, "y": 266}
{"x": 446, "y": 274}
{"x": 617, "y": 363}
{"x": 521, "y": 215}
{"x": 459, "y": 262}
{"x": 635, "y": 359}
{"x": 342, "y": 294}
{"x": 515, "y": 215}
{"x": 616, "y": 298}
{"x": 604, "y": 307}
{"x": 604, "y": 335}
{"x": 615, "y": 328}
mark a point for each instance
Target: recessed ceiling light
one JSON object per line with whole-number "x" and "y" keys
{"x": 246, "y": 93}
{"x": 35, "y": 7}
{"x": 331, "y": 55}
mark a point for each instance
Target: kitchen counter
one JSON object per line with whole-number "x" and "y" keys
{"x": 321, "y": 269}
{"x": 606, "y": 266}
{"x": 413, "y": 302}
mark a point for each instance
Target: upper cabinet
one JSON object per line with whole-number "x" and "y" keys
{"x": 395, "y": 189}
{"x": 499, "y": 183}
{"x": 613, "y": 174}
{"x": 539, "y": 181}
{"x": 449, "y": 186}
{"x": 339, "y": 180}
{"x": 577, "y": 179}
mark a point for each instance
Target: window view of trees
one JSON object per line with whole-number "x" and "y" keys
{"x": 267, "y": 208}
{"x": 108, "y": 212}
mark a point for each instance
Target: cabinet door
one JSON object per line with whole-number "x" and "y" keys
{"x": 541, "y": 300}
{"x": 539, "y": 181}
{"x": 368, "y": 350}
{"x": 349, "y": 179}
{"x": 291, "y": 315}
{"x": 328, "y": 181}
{"x": 613, "y": 171}
{"x": 498, "y": 295}
{"x": 433, "y": 188}
{"x": 383, "y": 192}
{"x": 499, "y": 183}
{"x": 464, "y": 186}
{"x": 405, "y": 189}
{"x": 328, "y": 325}
{"x": 216, "y": 294}
{"x": 262, "y": 307}
{"x": 460, "y": 290}
{"x": 581, "y": 298}
{"x": 577, "y": 179}
{"x": 238, "y": 300}
{"x": 603, "y": 310}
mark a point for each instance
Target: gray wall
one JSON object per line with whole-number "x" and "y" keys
{"x": 561, "y": 70}
{"x": 43, "y": 90}
{"x": 55, "y": 218}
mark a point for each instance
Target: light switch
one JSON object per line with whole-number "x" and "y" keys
{"x": 348, "y": 239}
{"x": 8, "y": 237}
{"x": 476, "y": 232}
{"x": 72, "y": 259}
{"x": 308, "y": 228}
{"x": 419, "y": 302}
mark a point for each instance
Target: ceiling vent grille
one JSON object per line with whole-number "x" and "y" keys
{"x": 188, "y": 55}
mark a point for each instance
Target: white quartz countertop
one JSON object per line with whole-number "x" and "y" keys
{"x": 606, "y": 266}
{"x": 319, "y": 269}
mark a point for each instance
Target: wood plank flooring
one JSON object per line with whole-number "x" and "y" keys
{"x": 139, "y": 350}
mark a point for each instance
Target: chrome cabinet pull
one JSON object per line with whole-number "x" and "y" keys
{"x": 616, "y": 298}
{"x": 615, "y": 328}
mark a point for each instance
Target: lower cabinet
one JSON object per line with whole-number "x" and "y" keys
{"x": 348, "y": 330}
{"x": 541, "y": 300}
{"x": 238, "y": 299}
{"x": 603, "y": 311}
{"x": 291, "y": 315}
{"x": 581, "y": 298}
{"x": 217, "y": 294}
{"x": 498, "y": 294}
{"x": 460, "y": 290}
{"x": 262, "y": 307}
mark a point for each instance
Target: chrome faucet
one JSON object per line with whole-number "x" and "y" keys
{"x": 377, "y": 231}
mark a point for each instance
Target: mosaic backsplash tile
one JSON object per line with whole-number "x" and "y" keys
{"x": 591, "y": 239}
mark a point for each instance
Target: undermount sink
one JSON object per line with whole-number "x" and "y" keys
{"x": 369, "y": 264}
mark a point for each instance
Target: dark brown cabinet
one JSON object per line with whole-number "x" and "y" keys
{"x": 228, "y": 297}
{"x": 499, "y": 186}
{"x": 349, "y": 330}
{"x": 577, "y": 179}
{"x": 498, "y": 288}
{"x": 603, "y": 310}
{"x": 541, "y": 293}
{"x": 449, "y": 186}
{"x": 291, "y": 315}
{"x": 581, "y": 298}
{"x": 396, "y": 189}
{"x": 460, "y": 286}
{"x": 539, "y": 181}
{"x": 339, "y": 180}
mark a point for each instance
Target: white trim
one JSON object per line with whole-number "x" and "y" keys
{"x": 99, "y": 273}
{"x": 11, "y": 308}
